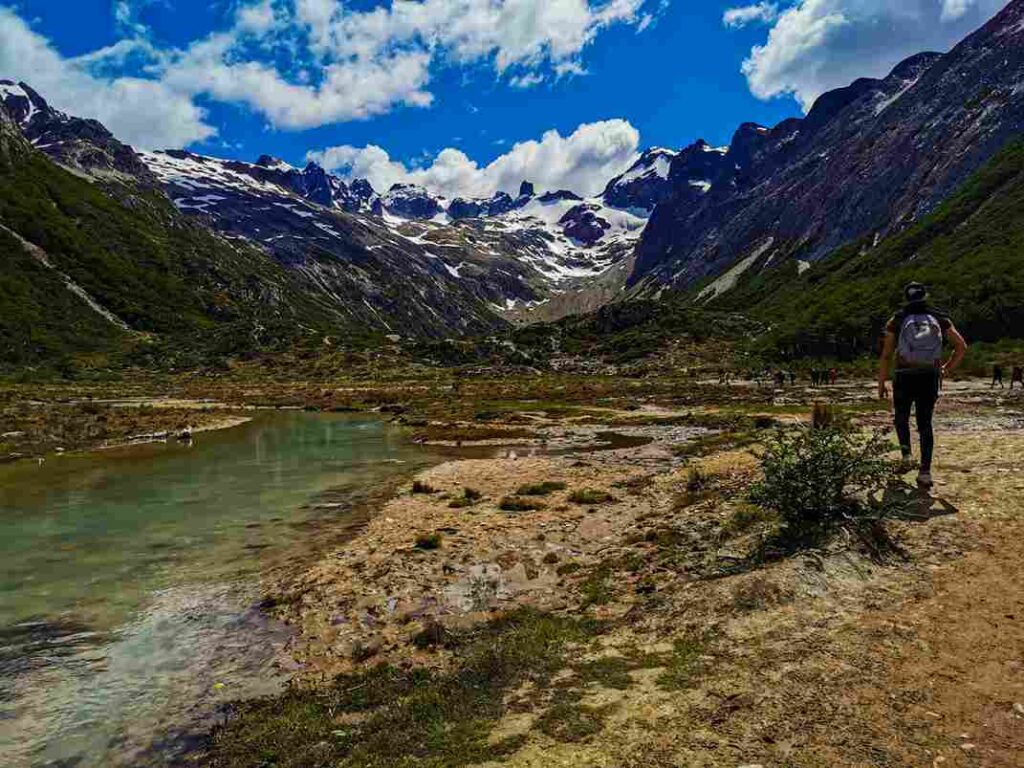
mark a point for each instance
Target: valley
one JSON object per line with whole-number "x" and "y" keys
{"x": 300, "y": 470}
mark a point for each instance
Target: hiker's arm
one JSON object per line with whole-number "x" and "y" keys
{"x": 959, "y": 349}
{"x": 888, "y": 349}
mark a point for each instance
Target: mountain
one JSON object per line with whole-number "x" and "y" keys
{"x": 867, "y": 160}
{"x": 70, "y": 141}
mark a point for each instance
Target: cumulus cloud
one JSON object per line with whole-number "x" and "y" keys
{"x": 582, "y": 161}
{"x": 143, "y": 112}
{"x": 816, "y": 45}
{"x": 750, "y": 14}
{"x": 307, "y": 63}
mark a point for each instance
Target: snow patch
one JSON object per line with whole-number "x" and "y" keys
{"x": 727, "y": 281}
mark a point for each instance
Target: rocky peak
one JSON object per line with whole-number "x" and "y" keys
{"x": 71, "y": 141}
{"x": 411, "y": 201}
{"x": 561, "y": 194}
{"x": 644, "y": 184}
{"x": 526, "y": 189}
{"x": 581, "y": 223}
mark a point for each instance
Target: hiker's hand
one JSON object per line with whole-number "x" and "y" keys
{"x": 883, "y": 390}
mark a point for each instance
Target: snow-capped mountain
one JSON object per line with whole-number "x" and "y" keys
{"x": 867, "y": 160}
{"x": 71, "y": 141}
{"x": 526, "y": 256}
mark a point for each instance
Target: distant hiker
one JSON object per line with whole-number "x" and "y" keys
{"x": 997, "y": 375}
{"x": 780, "y": 379}
{"x": 915, "y": 336}
{"x": 792, "y": 378}
{"x": 833, "y": 377}
{"x": 1017, "y": 377}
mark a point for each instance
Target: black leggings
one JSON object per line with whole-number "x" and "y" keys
{"x": 919, "y": 389}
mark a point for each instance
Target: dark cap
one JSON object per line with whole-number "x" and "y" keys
{"x": 915, "y": 292}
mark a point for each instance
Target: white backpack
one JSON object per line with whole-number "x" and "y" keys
{"x": 920, "y": 342}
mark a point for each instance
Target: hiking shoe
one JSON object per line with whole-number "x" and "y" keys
{"x": 924, "y": 479}
{"x": 907, "y": 464}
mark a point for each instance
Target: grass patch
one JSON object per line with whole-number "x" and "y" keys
{"x": 682, "y": 664}
{"x": 519, "y": 504}
{"x": 596, "y": 589}
{"x": 391, "y": 717}
{"x": 421, "y": 488}
{"x": 429, "y": 541}
{"x": 570, "y": 721}
{"x": 590, "y": 496}
{"x": 540, "y": 489}
{"x": 469, "y": 497}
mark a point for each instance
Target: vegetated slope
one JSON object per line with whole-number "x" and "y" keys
{"x": 970, "y": 251}
{"x": 868, "y": 159}
{"x": 81, "y": 271}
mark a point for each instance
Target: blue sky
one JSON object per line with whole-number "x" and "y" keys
{"x": 441, "y": 91}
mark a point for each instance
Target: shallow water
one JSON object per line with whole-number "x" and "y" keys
{"x": 129, "y": 579}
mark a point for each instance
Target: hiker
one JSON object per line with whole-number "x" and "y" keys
{"x": 1017, "y": 377}
{"x": 997, "y": 376}
{"x": 792, "y": 378}
{"x": 915, "y": 335}
{"x": 833, "y": 377}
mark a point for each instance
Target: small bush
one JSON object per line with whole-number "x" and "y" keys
{"x": 590, "y": 496}
{"x": 429, "y": 541}
{"x": 696, "y": 480}
{"x": 540, "y": 489}
{"x": 419, "y": 487}
{"x": 816, "y": 479}
{"x": 469, "y": 497}
{"x": 518, "y": 504}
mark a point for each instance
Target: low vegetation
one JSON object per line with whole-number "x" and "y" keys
{"x": 540, "y": 489}
{"x": 591, "y": 496}
{"x": 818, "y": 480}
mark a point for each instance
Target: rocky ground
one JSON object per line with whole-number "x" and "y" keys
{"x": 671, "y": 644}
{"x": 576, "y": 585}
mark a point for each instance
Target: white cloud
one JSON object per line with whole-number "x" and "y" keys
{"x": 583, "y": 161}
{"x": 955, "y": 9}
{"x": 143, "y": 112}
{"x": 762, "y": 13}
{"x": 307, "y": 63}
{"x": 817, "y": 45}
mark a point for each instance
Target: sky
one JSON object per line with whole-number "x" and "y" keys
{"x": 463, "y": 96}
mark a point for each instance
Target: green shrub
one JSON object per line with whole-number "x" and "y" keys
{"x": 469, "y": 497}
{"x": 590, "y": 496}
{"x": 429, "y": 541}
{"x": 816, "y": 479}
{"x": 540, "y": 489}
{"x": 518, "y": 504}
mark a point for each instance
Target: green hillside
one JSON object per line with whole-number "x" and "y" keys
{"x": 970, "y": 251}
{"x": 175, "y": 284}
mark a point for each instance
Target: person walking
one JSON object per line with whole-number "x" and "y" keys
{"x": 915, "y": 337}
{"x": 1017, "y": 377}
{"x": 997, "y": 375}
